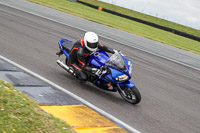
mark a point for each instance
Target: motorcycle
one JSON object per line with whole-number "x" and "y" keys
{"x": 115, "y": 71}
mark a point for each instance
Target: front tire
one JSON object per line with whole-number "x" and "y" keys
{"x": 131, "y": 95}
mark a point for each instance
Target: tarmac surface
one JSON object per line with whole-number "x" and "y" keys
{"x": 170, "y": 91}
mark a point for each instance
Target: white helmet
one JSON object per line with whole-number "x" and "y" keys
{"x": 91, "y": 41}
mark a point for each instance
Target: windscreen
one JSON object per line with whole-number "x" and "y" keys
{"x": 117, "y": 61}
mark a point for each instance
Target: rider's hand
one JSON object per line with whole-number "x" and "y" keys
{"x": 96, "y": 71}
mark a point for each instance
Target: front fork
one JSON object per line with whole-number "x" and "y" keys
{"x": 128, "y": 84}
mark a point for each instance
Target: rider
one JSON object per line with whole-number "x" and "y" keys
{"x": 81, "y": 49}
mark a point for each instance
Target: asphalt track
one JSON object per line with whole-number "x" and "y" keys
{"x": 170, "y": 91}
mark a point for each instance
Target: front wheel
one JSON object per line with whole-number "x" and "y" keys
{"x": 132, "y": 95}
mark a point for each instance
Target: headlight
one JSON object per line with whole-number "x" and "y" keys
{"x": 130, "y": 69}
{"x": 122, "y": 77}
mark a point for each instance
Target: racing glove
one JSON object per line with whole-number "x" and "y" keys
{"x": 96, "y": 71}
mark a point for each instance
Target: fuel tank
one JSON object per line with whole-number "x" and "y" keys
{"x": 98, "y": 58}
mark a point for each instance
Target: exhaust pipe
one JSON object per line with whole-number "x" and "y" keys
{"x": 65, "y": 67}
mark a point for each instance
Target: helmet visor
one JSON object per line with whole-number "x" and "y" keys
{"x": 92, "y": 45}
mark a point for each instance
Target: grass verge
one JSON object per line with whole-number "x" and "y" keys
{"x": 145, "y": 17}
{"x": 20, "y": 114}
{"x": 83, "y": 11}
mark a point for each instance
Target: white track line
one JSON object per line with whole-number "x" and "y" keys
{"x": 129, "y": 128}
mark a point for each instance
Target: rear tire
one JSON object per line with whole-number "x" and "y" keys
{"x": 131, "y": 95}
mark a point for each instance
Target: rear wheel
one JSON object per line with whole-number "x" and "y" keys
{"x": 131, "y": 95}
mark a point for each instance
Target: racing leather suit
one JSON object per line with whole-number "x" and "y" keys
{"x": 77, "y": 58}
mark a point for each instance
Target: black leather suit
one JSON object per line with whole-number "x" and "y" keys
{"x": 77, "y": 58}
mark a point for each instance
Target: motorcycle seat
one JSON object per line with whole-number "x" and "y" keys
{"x": 67, "y": 45}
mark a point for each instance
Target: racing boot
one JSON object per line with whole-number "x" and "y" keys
{"x": 59, "y": 53}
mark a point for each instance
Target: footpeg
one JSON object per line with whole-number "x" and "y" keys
{"x": 59, "y": 53}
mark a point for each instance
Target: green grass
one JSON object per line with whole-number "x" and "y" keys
{"x": 145, "y": 17}
{"x": 20, "y": 114}
{"x": 133, "y": 27}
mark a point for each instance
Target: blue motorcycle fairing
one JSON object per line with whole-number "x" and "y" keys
{"x": 116, "y": 72}
{"x": 98, "y": 58}
{"x": 128, "y": 83}
{"x": 107, "y": 77}
{"x": 127, "y": 62}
